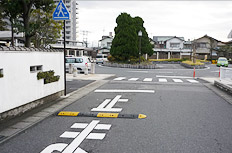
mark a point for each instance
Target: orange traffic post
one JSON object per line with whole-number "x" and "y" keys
{"x": 194, "y": 72}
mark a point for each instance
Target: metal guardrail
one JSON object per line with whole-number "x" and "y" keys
{"x": 226, "y": 74}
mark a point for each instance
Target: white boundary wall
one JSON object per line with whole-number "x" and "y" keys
{"x": 226, "y": 74}
{"x": 19, "y": 86}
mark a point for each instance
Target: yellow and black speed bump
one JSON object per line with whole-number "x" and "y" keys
{"x": 102, "y": 115}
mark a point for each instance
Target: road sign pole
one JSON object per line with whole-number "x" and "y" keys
{"x": 64, "y": 62}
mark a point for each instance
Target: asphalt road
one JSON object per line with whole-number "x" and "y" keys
{"x": 182, "y": 117}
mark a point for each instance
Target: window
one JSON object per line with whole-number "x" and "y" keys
{"x": 201, "y": 45}
{"x": 36, "y": 68}
{"x": 1, "y": 73}
{"x": 74, "y": 60}
{"x": 175, "y": 45}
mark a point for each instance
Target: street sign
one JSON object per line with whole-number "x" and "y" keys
{"x": 61, "y": 12}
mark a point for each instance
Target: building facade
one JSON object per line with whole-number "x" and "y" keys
{"x": 166, "y": 47}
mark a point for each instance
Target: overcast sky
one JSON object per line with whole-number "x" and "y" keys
{"x": 188, "y": 19}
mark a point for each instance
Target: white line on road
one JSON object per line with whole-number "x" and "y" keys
{"x": 139, "y": 71}
{"x": 177, "y": 80}
{"x": 123, "y": 91}
{"x": 133, "y": 79}
{"x": 163, "y": 80}
{"x": 68, "y": 134}
{"x": 119, "y": 78}
{"x": 103, "y": 127}
{"x": 79, "y": 125}
{"x": 162, "y": 76}
{"x": 147, "y": 80}
{"x": 96, "y": 136}
{"x": 77, "y": 141}
{"x": 192, "y": 81}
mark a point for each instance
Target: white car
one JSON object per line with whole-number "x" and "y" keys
{"x": 79, "y": 62}
{"x": 101, "y": 58}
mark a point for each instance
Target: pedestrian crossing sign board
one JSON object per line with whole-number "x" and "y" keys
{"x": 61, "y": 12}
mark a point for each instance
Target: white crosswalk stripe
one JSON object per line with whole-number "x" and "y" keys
{"x": 163, "y": 80}
{"x": 177, "y": 80}
{"x": 119, "y": 78}
{"x": 147, "y": 80}
{"x": 192, "y": 81}
{"x": 133, "y": 79}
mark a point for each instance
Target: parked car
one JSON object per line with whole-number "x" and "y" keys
{"x": 222, "y": 61}
{"x": 79, "y": 62}
{"x": 101, "y": 58}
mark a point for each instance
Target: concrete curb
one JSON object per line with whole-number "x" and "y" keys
{"x": 223, "y": 86}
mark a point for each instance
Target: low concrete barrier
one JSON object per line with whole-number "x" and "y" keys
{"x": 192, "y": 66}
{"x": 223, "y": 86}
{"x": 137, "y": 66}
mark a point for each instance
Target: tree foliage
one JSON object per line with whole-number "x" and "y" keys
{"x": 2, "y": 21}
{"x": 125, "y": 45}
{"x": 19, "y": 13}
{"x": 48, "y": 30}
{"x": 225, "y": 51}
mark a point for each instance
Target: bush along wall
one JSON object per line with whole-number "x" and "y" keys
{"x": 1, "y": 75}
{"x": 48, "y": 76}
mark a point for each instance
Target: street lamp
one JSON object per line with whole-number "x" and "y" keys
{"x": 140, "y": 35}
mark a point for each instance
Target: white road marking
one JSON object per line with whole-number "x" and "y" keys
{"x": 192, "y": 81}
{"x": 163, "y": 80}
{"x": 68, "y": 134}
{"x": 103, "y": 127}
{"x": 107, "y": 105}
{"x": 123, "y": 91}
{"x": 147, "y": 80}
{"x": 79, "y": 150}
{"x": 215, "y": 71}
{"x": 164, "y": 72}
{"x": 79, "y": 125}
{"x": 180, "y": 77}
{"x": 77, "y": 141}
{"x": 177, "y": 80}
{"x": 106, "y": 109}
{"x": 54, "y": 147}
{"x": 139, "y": 71}
{"x": 96, "y": 136}
{"x": 133, "y": 79}
{"x": 119, "y": 78}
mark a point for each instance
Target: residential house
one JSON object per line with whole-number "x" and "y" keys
{"x": 207, "y": 46}
{"x": 105, "y": 44}
{"x": 167, "y": 47}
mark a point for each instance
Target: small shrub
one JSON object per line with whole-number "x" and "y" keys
{"x": 191, "y": 63}
{"x": 48, "y": 76}
{"x": 1, "y": 75}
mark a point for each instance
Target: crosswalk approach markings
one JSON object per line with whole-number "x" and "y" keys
{"x": 176, "y": 80}
{"x": 78, "y": 137}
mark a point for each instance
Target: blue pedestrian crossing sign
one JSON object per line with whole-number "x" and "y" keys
{"x": 61, "y": 12}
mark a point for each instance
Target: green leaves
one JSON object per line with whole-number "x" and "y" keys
{"x": 48, "y": 76}
{"x": 125, "y": 45}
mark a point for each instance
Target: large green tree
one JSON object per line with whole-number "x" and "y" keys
{"x": 28, "y": 7}
{"x": 125, "y": 45}
{"x": 2, "y": 21}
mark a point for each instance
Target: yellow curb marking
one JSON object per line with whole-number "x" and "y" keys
{"x": 113, "y": 115}
{"x": 142, "y": 116}
{"x": 68, "y": 113}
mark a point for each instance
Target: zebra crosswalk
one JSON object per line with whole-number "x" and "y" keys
{"x": 161, "y": 80}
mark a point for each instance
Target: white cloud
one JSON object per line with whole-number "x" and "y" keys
{"x": 190, "y": 19}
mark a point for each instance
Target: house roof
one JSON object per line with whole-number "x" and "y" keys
{"x": 180, "y": 38}
{"x": 206, "y": 36}
{"x": 165, "y": 38}
{"x": 105, "y": 37}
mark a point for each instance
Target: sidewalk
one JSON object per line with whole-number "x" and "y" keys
{"x": 221, "y": 87}
{"x": 18, "y": 124}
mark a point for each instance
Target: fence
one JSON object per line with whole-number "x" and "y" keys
{"x": 226, "y": 74}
